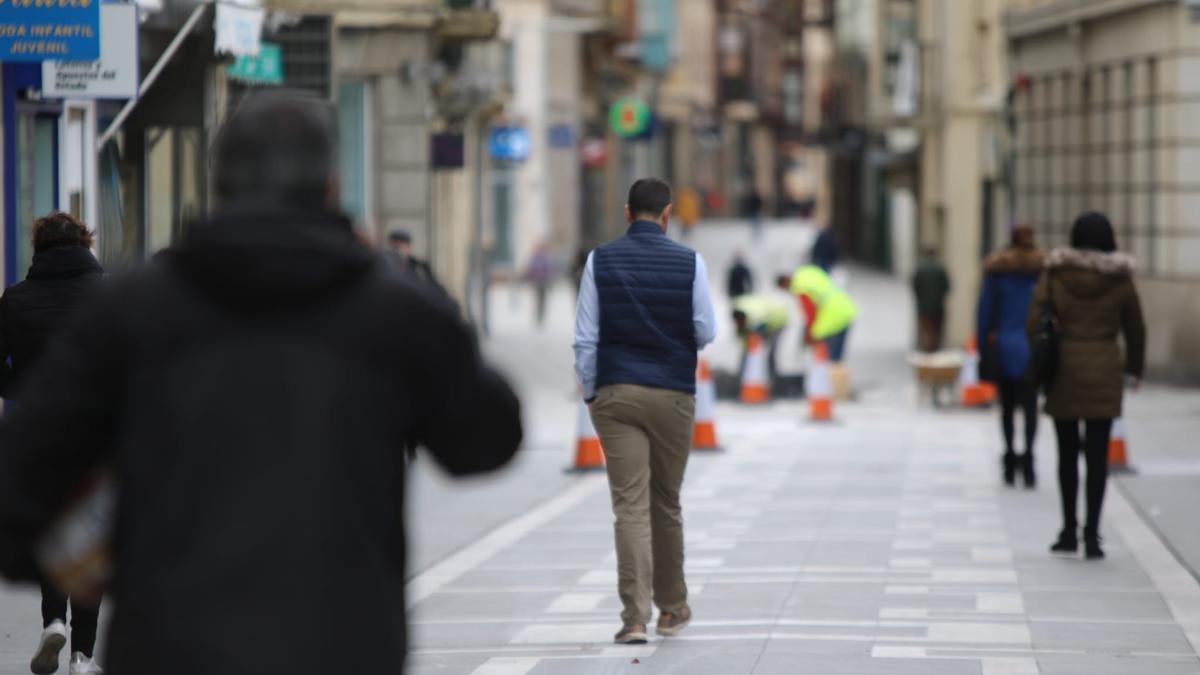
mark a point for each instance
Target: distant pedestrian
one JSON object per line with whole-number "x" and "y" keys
{"x": 644, "y": 313}
{"x": 33, "y": 315}
{"x": 931, "y": 285}
{"x": 1008, "y": 282}
{"x": 400, "y": 255}
{"x": 825, "y": 251}
{"x": 1090, "y": 289}
{"x": 829, "y": 311}
{"x": 541, "y": 274}
{"x": 253, "y": 395}
{"x": 753, "y": 206}
{"x": 688, "y": 209}
{"x": 765, "y": 316}
{"x": 740, "y": 280}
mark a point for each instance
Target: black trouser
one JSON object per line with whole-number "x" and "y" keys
{"x": 83, "y": 619}
{"x": 1021, "y": 393}
{"x": 1095, "y": 450}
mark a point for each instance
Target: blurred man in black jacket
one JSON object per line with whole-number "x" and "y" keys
{"x": 253, "y": 395}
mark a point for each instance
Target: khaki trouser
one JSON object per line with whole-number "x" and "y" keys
{"x": 647, "y": 435}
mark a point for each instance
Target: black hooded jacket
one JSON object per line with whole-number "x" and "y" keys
{"x": 254, "y": 393}
{"x": 33, "y": 311}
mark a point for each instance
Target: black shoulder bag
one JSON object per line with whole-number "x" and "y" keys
{"x": 1044, "y": 357}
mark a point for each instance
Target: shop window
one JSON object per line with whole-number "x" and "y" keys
{"x": 353, "y": 129}
{"x": 36, "y": 152}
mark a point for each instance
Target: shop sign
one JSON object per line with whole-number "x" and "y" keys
{"x": 448, "y": 151}
{"x": 510, "y": 143}
{"x": 113, "y": 75}
{"x": 562, "y": 136}
{"x": 238, "y": 30}
{"x": 266, "y": 68}
{"x": 594, "y": 153}
{"x": 630, "y": 118}
{"x": 39, "y": 30}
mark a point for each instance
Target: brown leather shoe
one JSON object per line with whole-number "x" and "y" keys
{"x": 633, "y": 634}
{"x": 670, "y": 623}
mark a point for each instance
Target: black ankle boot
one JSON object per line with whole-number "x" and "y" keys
{"x": 1027, "y": 471}
{"x": 1010, "y": 469}
{"x": 1091, "y": 545}
{"x": 1068, "y": 542}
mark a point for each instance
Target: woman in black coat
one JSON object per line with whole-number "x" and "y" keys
{"x": 32, "y": 313}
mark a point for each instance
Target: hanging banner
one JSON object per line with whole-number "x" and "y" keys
{"x": 114, "y": 75}
{"x": 39, "y": 30}
{"x": 238, "y": 29}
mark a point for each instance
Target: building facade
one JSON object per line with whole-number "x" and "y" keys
{"x": 964, "y": 81}
{"x": 1108, "y": 119}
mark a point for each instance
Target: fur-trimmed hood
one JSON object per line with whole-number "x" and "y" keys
{"x": 1090, "y": 274}
{"x": 1015, "y": 260}
{"x": 1108, "y": 264}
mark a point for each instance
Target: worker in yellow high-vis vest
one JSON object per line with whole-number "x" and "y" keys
{"x": 765, "y": 315}
{"x": 829, "y": 311}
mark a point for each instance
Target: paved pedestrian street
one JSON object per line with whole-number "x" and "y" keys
{"x": 881, "y": 543}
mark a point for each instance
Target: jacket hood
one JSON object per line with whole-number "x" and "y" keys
{"x": 64, "y": 262}
{"x": 1015, "y": 260}
{"x": 1110, "y": 264}
{"x": 1089, "y": 273}
{"x": 256, "y": 256}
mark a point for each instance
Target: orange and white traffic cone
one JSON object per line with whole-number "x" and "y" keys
{"x": 973, "y": 393}
{"x": 1118, "y": 450}
{"x": 705, "y": 436}
{"x": 589, "y": 455}
{"x": 756, "y": 384}
{"x": 818, "y": 385}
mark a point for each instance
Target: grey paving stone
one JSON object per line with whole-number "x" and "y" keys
{"x": 1097, "y": 605}
{"x": 793, "y": 664}
{"x": 1107, "y": 664}
{"x": 1098, "y": 638}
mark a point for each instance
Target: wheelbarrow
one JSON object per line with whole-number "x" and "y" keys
{"x": 937, "y": 375}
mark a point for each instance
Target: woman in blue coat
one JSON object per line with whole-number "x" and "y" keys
{"x": 1008, "y": 282}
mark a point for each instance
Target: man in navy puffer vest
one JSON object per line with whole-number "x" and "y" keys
{"x": 644, "y": 311}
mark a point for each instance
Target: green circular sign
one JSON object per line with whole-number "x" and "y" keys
{"x": 629, "y": 117}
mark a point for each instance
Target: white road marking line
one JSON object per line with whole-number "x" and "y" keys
{"x": 911, "y": 563}
{"x": 445, "y": 572}
{"x": 507, "y": 665}
{"x": 1177, "y": 586}
{"x": 900, "y": 589}
{"x": 569, "y": 603}
{"x": 566, "y": 633}
{"x": 980, "y": 633}
{"x": 999, "y": 603}
{"x": 991, "y": 554}
{"x": 1009, "y": 666}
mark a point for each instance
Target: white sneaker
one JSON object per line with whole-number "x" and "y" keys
{"x": 54, "y": 638}
{"x": 84, "y": 665}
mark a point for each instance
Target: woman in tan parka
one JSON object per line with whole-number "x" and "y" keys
{"x": 1090, "y": 286}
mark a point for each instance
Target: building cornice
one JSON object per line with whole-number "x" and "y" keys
{"x": 1058, "y": 15}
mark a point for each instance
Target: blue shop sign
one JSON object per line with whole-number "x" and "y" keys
{"x": 562, "y": 136}
{"x": 510, "y": 144}
{"x": 44, "y": 30}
